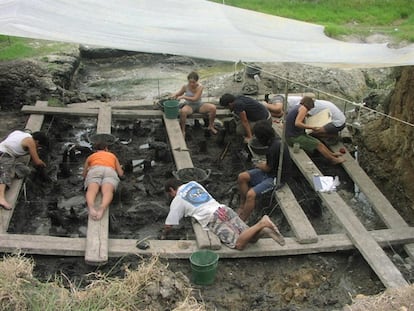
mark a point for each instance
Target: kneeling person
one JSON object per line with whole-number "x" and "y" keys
{"x": 193, "y": 200}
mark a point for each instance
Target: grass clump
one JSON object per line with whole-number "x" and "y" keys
{"x": 361, "y": 17}
{"x": 151, "y": 286}
{"x": 54, "y": 102}
{"x": 16, "y": 47}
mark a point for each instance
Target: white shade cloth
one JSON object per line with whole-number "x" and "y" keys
{"x": 195, "y": 28}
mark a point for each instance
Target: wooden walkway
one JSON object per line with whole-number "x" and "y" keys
{"x": 97, "y": 246}
{"x": 97, "y": 234}
{"x": 182, "y": 158}
{"x": 361, "y": 238}
{"x": 34, "y": 123}
{"x": 327, "y": 243}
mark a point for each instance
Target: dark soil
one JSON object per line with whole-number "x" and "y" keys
{"x": 52, "y": 203}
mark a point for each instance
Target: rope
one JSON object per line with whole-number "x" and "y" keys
{"x": 360, "y": 105}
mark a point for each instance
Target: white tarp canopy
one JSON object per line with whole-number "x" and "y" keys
{"x": 195, "y": 28}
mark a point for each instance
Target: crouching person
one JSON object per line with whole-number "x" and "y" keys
{"x": 18, "y": 144}
{"x": 193, "y": 200}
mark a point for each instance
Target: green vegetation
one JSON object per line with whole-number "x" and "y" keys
{"x": 17, "y": 47}
{"x": 54, "y": 102}
{"x": 362, "y": 17}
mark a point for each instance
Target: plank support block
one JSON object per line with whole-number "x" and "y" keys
{"x": 205, "y": 239}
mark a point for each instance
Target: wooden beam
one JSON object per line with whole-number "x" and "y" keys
{"x": 390, "y": 276}
{"x": 379, "y": 202}
{"x": 34, "y": 123}
{"x": 179, "y": 148}
{"x": 295, "y": 216}
{"x": 125, "y": 104}
{"x": 63, "y": 246}
{"x": 116, "y": 113}
{"x": 96, "y": 252}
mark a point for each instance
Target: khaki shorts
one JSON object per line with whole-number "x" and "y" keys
{"x": 10, "y": 168}
{"x": 102, "y": 175}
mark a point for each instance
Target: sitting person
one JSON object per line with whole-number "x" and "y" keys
{"x": 261, "y": 179}
{"x": 275, "y": 106}
{"x": 18, "y": 144}
{"x": 248, "y": 111}
{"x": 101, "y": 171}
{"x": 332, "y": 128}
{"x": 191, "y": 94}
{"x": 295, "y": 132}
{"x": 191, "y": 199}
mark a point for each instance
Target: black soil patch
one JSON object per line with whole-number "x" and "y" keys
{"x": 52, "y": 203}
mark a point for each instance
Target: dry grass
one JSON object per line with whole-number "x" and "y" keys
{"x": 152, "y": 286}
{"x": 398, "y": 299}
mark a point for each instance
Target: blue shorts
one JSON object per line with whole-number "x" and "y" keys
{"x": 260, "y": 181}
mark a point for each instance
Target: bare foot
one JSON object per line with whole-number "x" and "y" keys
{"x": 92, "y": 213}
{"x": 99, "y": 213}
{"x": 213, "y": 130}
{"x": 276, "y": 236}
{"x": 4, "y": 204}
{"x": 269, "y": 223}
{"x": 338, "y": 160}
{"x": 274, "y": 233}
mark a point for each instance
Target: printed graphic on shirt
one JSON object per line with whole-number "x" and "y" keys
{"x": 195, "y": 194}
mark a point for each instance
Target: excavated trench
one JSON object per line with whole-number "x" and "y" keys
{"x": 52, "y": 203}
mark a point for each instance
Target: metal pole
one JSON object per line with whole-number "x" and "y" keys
{"x": 283, "y": 138}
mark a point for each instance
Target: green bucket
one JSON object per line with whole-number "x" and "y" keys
{"x": 171, "y": 109}
{"x": 204, "y": 267}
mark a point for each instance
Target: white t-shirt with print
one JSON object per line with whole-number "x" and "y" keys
{"x": 192, "y": 200}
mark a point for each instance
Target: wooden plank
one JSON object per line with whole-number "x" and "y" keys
{"x": 114, "y": 104}
{"x": 97, "y": 235}
{"x": 205, "y": 239}
{"x": 116, "y": 113}
{"x": 179, "y": 148}
{"x": 182, "y": 158}
{"x": 298, "y": 221}
{"x": 82, "y": 112}
{"x": 34, "y": 123}
{"x": 127, "y": 104}
{"x": 390, "y": 276}
{"x": 104, "y": 120}
{"x": 384, "y": 209}
{"x": 63, "y": 246}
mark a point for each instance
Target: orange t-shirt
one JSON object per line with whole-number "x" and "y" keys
{"x": 102, "y": 158}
